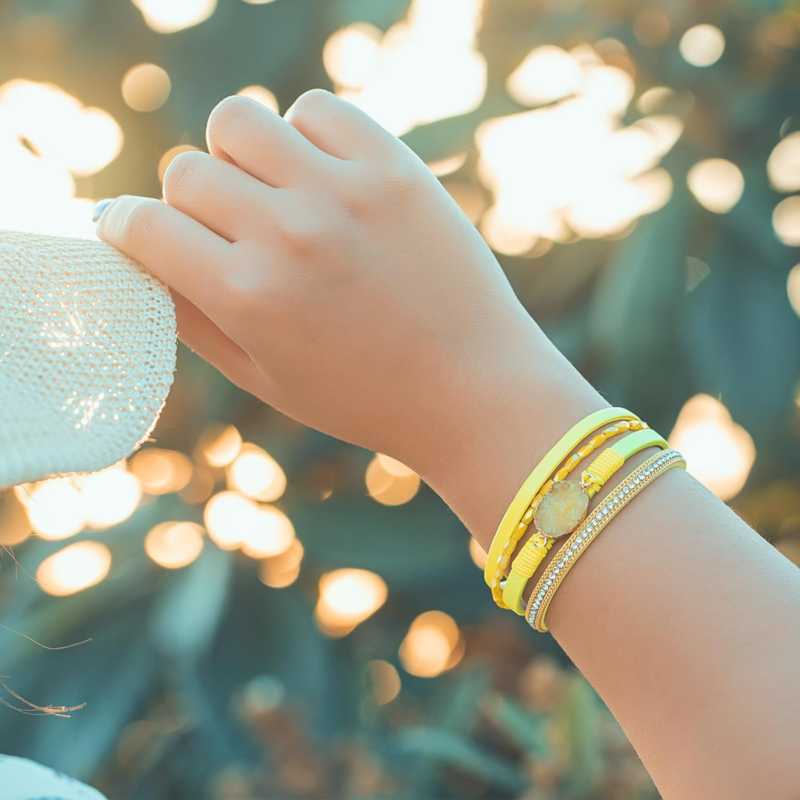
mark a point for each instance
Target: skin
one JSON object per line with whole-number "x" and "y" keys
{"x": 317, "y": 263}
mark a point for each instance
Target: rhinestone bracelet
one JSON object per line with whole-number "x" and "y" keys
{"x": 590, "y": 528}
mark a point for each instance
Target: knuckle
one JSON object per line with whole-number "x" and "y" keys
{"x": 305, "y": 231}
{"x": 227, "y": 114}
{"x": 311, "y": 103}
{"x": 140, "y": 220}
{"x": 181, "y": 172}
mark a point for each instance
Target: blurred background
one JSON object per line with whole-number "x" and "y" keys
{"x": 275, "y": 614}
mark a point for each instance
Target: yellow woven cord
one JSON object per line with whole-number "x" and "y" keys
{"x": 519, "y": 514}
{"x": 593, "y": 477}
{"x": 612, "y": 458}
{"x": 591, "y": 528}
{"x": 541, "y": 544}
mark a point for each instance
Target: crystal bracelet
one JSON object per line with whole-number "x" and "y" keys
{"x": 569, "y": 507}
{"x": 520, "y": 513}
{"x": 590, "y": 529}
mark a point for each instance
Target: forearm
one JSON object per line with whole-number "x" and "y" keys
{"x": 681, "y": 616}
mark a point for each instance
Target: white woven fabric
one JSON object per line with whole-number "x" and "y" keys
{"x": 87, "y": 355}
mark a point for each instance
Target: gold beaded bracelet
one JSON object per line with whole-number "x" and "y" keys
{"x": 590, "y": 529}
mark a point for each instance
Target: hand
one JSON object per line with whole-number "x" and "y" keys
{"x": 319, "y": 264}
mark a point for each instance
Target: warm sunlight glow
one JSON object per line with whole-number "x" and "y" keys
{"x": 261, "y": 95}
{"x": 146, "y": 87}
{"x": 110, "y": 496}
{"x": 548, "y": 73}
{"x": 786, "y": 221}
{"x": 390, "y": 482}
{"x": 55, "y": 508}
{"x": 282, "y": 570}
{"x": 718, "y": 452}
{"x": 169, "y": 16}
{"x": 75, "y": 568}
{"x": 270, "y": 534}
{"x": 161, "y": 471}
{"x": 702, "y": 45}
{"x": 427, "y": 66}
{"x": 229, "y": 517}
{"x": 47, "y": 139}
{"x": 174, "y": 544}
{"x": 346, "y": 598}
{"x": 385, "y": 681}
{"x": 432, "y": 645}
{"x": 219, "y": 444}
{"x": 783, "y": 165}
{"x": 256, "y": 474}
{"x": 716, "y": 183}
{"x": 351, "y": 54}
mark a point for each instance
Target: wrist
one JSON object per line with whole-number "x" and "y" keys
{"x": 511, "y": 409}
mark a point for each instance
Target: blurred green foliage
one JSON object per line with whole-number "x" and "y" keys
{"x": 203, "y": 682}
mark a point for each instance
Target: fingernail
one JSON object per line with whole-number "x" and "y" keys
{"x": 99, "y": 207}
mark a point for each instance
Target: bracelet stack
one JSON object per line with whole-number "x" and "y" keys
{"x": 554, "y": 506}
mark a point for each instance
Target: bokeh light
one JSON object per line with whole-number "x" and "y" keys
{"x": 716, "y": 183}
{"x": 169, "y": 16}
{"x": 55, "y": 508}
{"x": 702, "y": 45}
{"x": 786, "y": 221}
{"x": 389, "y": 482}
{"x": 446, "y": 166}
{"x": 146, "y": 87}
{"x": 385, "y": 679}
{"x": 718, "y": 452}
{"x": 783, "y": 164}
{"x": 256, "y": 474}
{"x": 432, "y": 645}
{"x": 271, "y": 533}
{"x": 109, "y": 496}
{"x": 793, "y": 288}
{"x": 261, "y": 95}
{"x": 161, "y": 471}
{"x": 173, "y": 545}
{"x": 346, "y": 598}
{"x": 75, "y": 568}
{"x": 351, "y": 55}
{"x": 48, "y": 138}
{"x": 477, "y": 553}
{"x": 427, "y": 67}
{"x": 229, "y": 517}
{"x": 219, "y": 444}
{"x": 651, "y": 27}
{"x": 547, "y": 73}
{"x": 283, "y": 570}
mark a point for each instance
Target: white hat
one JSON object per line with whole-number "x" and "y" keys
{"x": 87, "y": 355}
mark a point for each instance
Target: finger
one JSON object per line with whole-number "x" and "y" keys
{"x": 200, "y": 334}
{"x": 177, "y": 249}
{"x": 217, "y": 194}
{"x": 262, "y": 143}
{"x": 339, "y": 128}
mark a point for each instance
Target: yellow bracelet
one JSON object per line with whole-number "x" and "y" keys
{"x": 591, "y": 528}
{"x": 565, "y": 507}
{"x": 519, "y": 514}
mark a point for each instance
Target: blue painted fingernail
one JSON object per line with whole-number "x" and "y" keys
{"x": 99, "y": 207}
